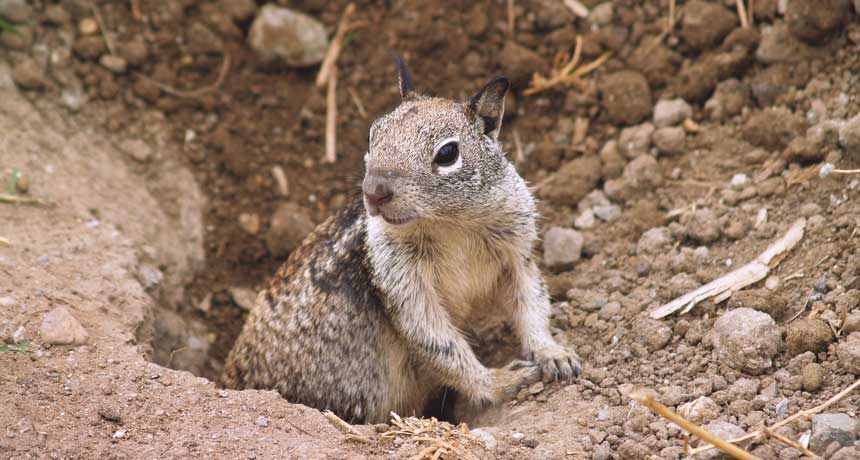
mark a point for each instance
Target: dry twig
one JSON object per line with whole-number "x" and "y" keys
{"x": 648, "y": 401}
{"x": 345, "y": 428}
{"x": 101, "y": 24}
{"x": 357, "y": 101}
{"x": 511, "y": 20}
{"x": 518, "y": 147}
{"x": 723, "y": 287}
{"x": 790, "y": 443}
{"x": 334, "y": 48}
{"x": 23, "y": 200}
{"x": 331, "y": 118}
{"x": 742, "y": 14}
{"x": 222, "y": 73}
{"x": 566, "y": 73}
{"x": 808, "y": 413}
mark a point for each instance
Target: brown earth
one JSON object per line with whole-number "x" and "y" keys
{"x": 145, "y": 246}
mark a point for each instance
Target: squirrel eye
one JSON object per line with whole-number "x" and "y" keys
{"x": 447, "y": 154}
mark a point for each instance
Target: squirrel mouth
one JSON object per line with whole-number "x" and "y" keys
{"x": 397, "y": 220}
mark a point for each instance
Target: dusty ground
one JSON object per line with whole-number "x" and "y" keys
{"x": 144, "y": 244}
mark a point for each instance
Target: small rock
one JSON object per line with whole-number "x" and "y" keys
{"x": 773, "y": 128}
{"x": 284, "y": 35}
{"x": 150, "y": 277}
{"x": 778, "y": 45}
{"x": 16, "y": 11}
{"x": 88, "y": 26}
{"x": 703, "y": 226}
{"x": 746, "y": 340}
{"x": 56, "y": 15}
{"x": 290, "y": 224}
{"x": 700, "y": 410}
{"x": 28, "y": 74}
{"x": 607, "y": 213}
{"x": 653, "y": 333}
{"x": 723, "y": 430}
{"x": 585, "y": 220}
{"x": 243, "y": 297}
{"x": 846, "y": 453}
{"x": 635, "y": 140}
{"x": 812, "y": 377}
{"x": 485, "y": 437}
{"x": 626, "y": 96}
{"x": 654, "y": 241}
{"x": 670, "y": 140}
{"x": 641, "y": 175}
{"x": 60, "y": 327}
{"x": 113, "y": 63}
{"x": 632, "y": 450}
{"x": 808, "y": 334}
{"x": 89, "y": 47}
{"x": 828, "y": 428}
{"x": 610, "y": 310}
{"x": 601, "y": 14}
{"x": 536, "y": 388}
{"x": 705, "y": 24}
{"x": 852, "y": 322}
{"x": 111, "y": 414}
{"x": 848, "y": 352}
{"x": 262, "y": 421}
{"x": 671, "y": 112}
{"x": 562, "y": 247}
{"x": 137, "y": 149}
{"x": 729, "y": 98}
{"x": 250, "y": 222}
{"x": 602, "y": 451}
{"x": 814, "y": 20}
{"x": 135, "y": 52}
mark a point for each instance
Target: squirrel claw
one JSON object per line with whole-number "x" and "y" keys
{"x": 558, "y": 363}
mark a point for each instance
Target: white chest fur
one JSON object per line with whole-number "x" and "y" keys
{"x": 466, "y": 273}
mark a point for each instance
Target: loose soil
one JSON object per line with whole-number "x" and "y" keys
{"x": 145, "y": 251}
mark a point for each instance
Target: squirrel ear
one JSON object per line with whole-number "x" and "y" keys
{"x": 488, "y": 106}
{"x": 404, "y": 81}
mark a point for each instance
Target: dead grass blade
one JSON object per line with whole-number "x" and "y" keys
{"x": 808, "y": 413}
{"x": 222, "y": 74}
{"x": 648, "y": 401}
{"x": 440, "y": 440}
{"x": 566, "y": 72}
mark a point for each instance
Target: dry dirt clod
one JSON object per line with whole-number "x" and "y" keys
{"x": 113, "y": 63}
{"x": 814, "y": 20}
{"x": 137, "y": 149}
{"x": 808, "y": 334}
{"x": 848, "y": 351}
{"x": 812, "y": 377}
{"x": 60, "y": 327}
{"x": 705, "y": 24}
{"x": 671, "y": 112}
{"x": 626, "y": 97}
{"x": 573, "y": 181}
{"x": 746, "y": 340}
{"x": 28, "y": 74}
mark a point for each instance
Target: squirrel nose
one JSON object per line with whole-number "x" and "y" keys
{"x": 376, "y": 191}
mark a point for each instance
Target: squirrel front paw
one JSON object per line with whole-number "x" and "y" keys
{"x": 558, "y": 363}
{"x": 508, "y": 380}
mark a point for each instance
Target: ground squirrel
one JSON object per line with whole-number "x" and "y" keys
{"x": 365, "y": 318}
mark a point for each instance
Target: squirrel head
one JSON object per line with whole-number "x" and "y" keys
{"x": 435, "y": 159}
